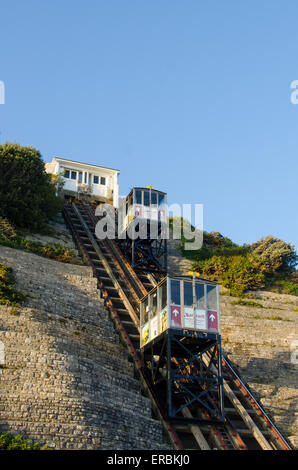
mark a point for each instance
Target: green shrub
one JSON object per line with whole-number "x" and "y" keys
{"x": 8, "y": 294}
{"x": 10, "y": 442}
{"x": 274, "y": 255}
{"x": 7, "y": 230}
{"x": 214, "y": 244}
{"x": 15, "y": 312}
{"x": 284, "y": 284}
{"x": 269, "y": 263}
{"x": 237, "y": 273}
{"x": 27, "y": 196}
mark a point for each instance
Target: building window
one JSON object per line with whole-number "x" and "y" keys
{"x": 95, "y": 179}
{"x": 73, "y": 175}
{"x": 138, "y": 197}
{"x": 66, "y": 174}
{"x": 188, "y": 294}
{"x": 154, "y": 198}
{"x": 80, "y": 177}
{"x": 146, "y": 198}
{"x": 211, "y": 298}
{"x": 200, "y": 296}
{"x": 175, "y": 292}
{"x": 161, "y": 199}
{"x": 102, "y": 180}
{"x": 163, "y": 295}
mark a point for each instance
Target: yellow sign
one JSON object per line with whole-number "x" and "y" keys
{"x": 194, "y": 273}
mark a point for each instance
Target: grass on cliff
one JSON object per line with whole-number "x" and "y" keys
{"x": 8, "y": 294}
{"x": 10, "y": 442}
{"x": 267, "y": 264}
{"x": 9, "y": 236}
{"x": 246, "y": 303}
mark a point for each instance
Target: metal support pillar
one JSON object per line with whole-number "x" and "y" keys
{"x": 185, "y": 369}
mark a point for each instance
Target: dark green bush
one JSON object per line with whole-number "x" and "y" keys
{"x": 237, "y": 273}
{"x": 274, "y": 254}
{"x": 27, "y": 196}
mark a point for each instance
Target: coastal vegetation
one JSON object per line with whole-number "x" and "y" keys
{"x": 269, "y": 263}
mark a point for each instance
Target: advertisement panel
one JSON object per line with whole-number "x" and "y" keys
{"x": 189, "y": 319}
{"x": 200, "y": 323}
{"x": 154, "y": 214}
{"x": 163, "y": 320}
{"x": 145, "y": 334}
{"x": 154, "y": 327}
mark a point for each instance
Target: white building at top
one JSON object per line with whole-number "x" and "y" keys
{"x": 99, "y": 182}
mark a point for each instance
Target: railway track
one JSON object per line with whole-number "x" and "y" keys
{"x": 246, "y": 425}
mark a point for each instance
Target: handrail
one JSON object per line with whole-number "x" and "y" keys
{"x": 257, "y": 405}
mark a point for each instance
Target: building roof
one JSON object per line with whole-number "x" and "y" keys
{"x": 84, "y": 164}
{"x": 145, "y": 189}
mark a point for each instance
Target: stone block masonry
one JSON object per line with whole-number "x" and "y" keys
{"x": 66, "y": 379}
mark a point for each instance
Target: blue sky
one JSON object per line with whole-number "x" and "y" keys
{"x": 191, "y": 97}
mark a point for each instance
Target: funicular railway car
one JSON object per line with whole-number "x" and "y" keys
{"x": 181, "y": 345}
{"x": 142, "y": 228}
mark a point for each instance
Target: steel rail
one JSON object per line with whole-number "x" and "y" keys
{"x": 196, "y": 431}
{"x": 118, "y": 256}
{"x": 125, "y": 336}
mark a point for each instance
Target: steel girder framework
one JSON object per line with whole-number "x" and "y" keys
{"x": 148, "y": 255}
{"x": 185, "y": 370}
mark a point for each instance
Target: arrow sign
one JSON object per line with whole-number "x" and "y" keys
{"x": 175, "y": 316}
{"x": 212, "y": 320}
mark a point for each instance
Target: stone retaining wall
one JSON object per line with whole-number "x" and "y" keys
{"x": 66, "y": 379}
